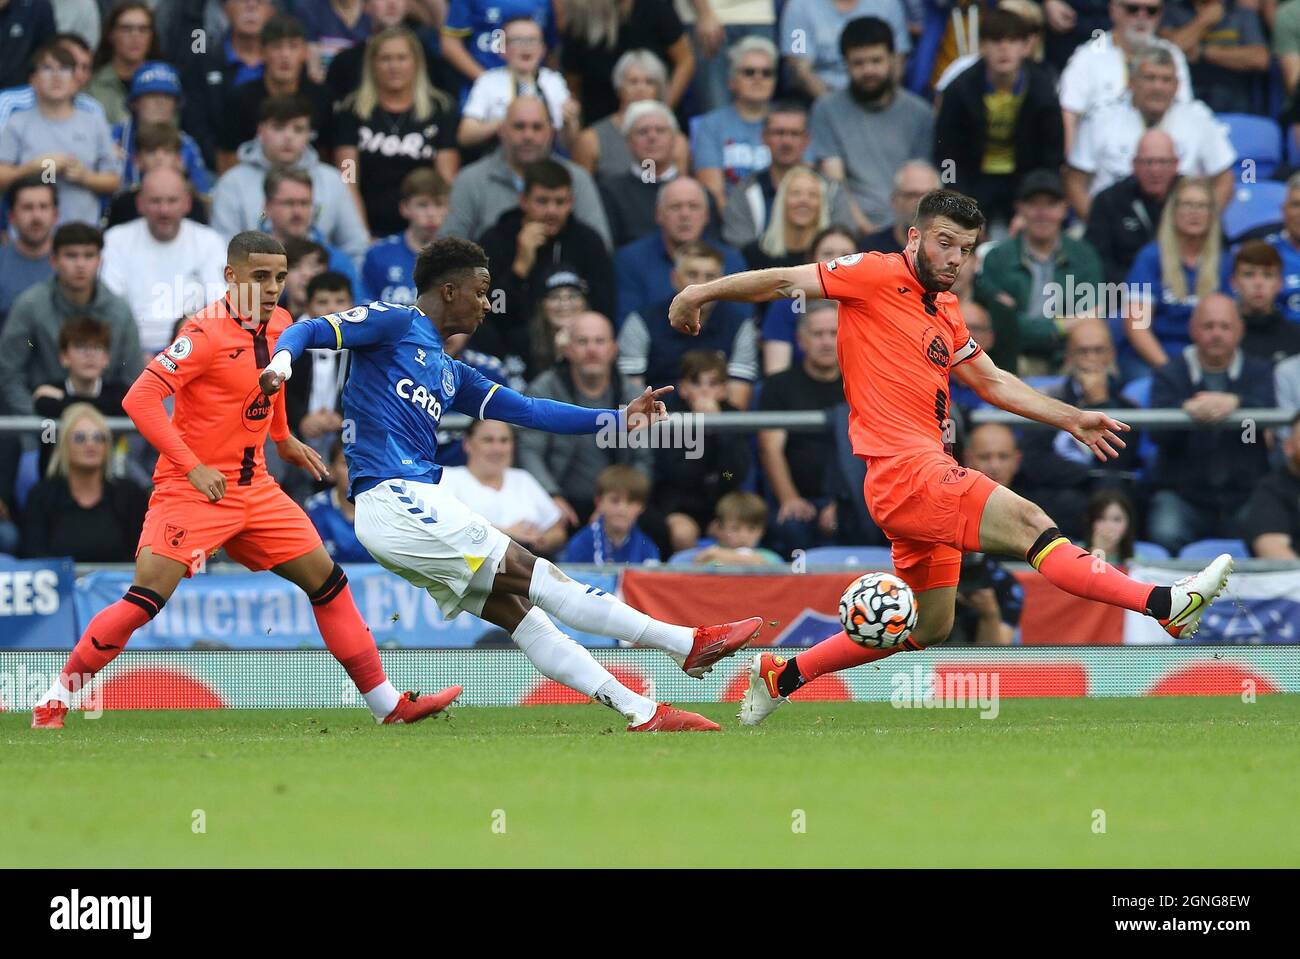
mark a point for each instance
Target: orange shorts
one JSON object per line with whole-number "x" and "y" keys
{"x": 259, "y": 525}
{"x": 930, "y": 509}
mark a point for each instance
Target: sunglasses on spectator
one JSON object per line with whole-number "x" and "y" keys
{"x": 81, "y": 437}
{"x": 750, "y": 72}
{"x": 1138, "y": 9}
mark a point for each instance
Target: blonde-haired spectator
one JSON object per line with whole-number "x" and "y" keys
{"x": 800, "y": 212}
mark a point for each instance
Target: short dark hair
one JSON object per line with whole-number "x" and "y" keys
{"x": 157, "y": 136}
{"x": 695, "y": 363}
{"x": 277, "y": 176}
{"x": 787, "y": 107}
{"x": 84, "y": 329}
{"x": 698, "y": 248}
{"x": 33, "y": 182}
{"x": 547, "y": 174}
{"x": 282, "y": 27}
{"x": 53, "y": 49}
{"x": 74, "y": 38}
{"x": 77, "y": 234}
{"x": 625, "y": 479}
{"x": 444, "y": 258}
{"x": 328, "y": 282}
{"x": 296, "y": 248}
{"x": 998, "y": 24}
{"x": 1257, "y": 253}
{"x": 957, "y": 207}
{"x": 424, "y": 181}
{"x": 285, "y": 108}
{"x": 243, "y": 245}
{"x": 866, "y": 32}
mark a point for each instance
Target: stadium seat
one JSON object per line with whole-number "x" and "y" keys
{"x": 1210, "y": 548}
{"x": 874, "y": 556}
{"x": 1139, "y": 391}
{"x": 1149, "y": 552}
{"x": 1292, "y": 148}
{"x": 1253, "y": 205}
{"x": 1255, "y": 138}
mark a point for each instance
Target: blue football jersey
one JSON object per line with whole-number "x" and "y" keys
{"x": 400, "y": 384}
{"x": 388, "y": 272}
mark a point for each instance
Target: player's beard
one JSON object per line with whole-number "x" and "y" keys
{"x": 925, "y": 272}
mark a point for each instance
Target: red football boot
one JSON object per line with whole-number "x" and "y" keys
{"x": 413, "y": 707}
{"x": 669, "y": 720}
{"x": 713, "y": 643}
{"x": 49, "y": 715}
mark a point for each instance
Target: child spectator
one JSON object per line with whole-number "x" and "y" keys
{"x": 84, "y": 348}
{"x": 1112, "y": 526}
{"x": 389, "y": 267}
{"x": 739, "y": 527}
{"x": 613, "y": 535}
{"x": 307, "y": 259}
{"x": 156, "y": 146}
{"x": 333, "y": 514}
{"x": 1256, "y": 281}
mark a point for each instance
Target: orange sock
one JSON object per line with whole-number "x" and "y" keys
{"x": 345, "y": 633}
{"x": 1077, "y": 571}
{"x": 106, "y": 634}
{"x": 832, "y": 655}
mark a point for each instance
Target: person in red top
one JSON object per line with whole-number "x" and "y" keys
{"x": 211, "y": 488}
{"x": 901, "y": 336}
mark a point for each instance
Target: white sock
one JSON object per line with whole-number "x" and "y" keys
{"x": 57, "y": 692}
{"x": 558, "y": 657}
{"x": 593, "y": 610}
{"x": 382, "y": 700}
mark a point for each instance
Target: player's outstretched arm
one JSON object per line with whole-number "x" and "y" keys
{"x": 1095, "y": 430}
{"x": 752, "y": 286}
{"x": 481, "y": 398}
{"x": 352, "y": 329}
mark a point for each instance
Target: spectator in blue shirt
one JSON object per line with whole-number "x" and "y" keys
{"x": 643, "y": 268}
{"x": 389, "y": 267}
{"x": 333, "y": 25}
{"x": 156, "y": 98}
{"x": 1169, "y": 276}
{"x": 727, "y": 143}
{"x": 613, "y": 535}
{"x": 650, "y": 351}
{"x": 333, "y": 515}
{"x": 472, "y": 39}
{"x": 781, "y": 322}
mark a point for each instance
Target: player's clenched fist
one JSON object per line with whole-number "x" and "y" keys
{"x": 684, "y": 313}
{"x": 208, "y": 481}
{"x": 277, "y": 371}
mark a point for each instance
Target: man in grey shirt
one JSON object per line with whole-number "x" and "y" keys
{"x": 33, "y": 208}
{"x": 488, "y": 187}
{"x": 567, "y": 466}
{"x": 56, "y": 140}
{"x": 865, "y": 132}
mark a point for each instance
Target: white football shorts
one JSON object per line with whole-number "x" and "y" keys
{"x": 432, "y": 540}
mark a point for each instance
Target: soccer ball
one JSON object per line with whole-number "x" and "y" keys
{"x": 878, "y": 610}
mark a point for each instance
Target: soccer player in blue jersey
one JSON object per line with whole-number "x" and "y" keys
{"x": 400, "y": 384}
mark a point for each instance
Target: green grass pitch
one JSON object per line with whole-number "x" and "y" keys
{"x": 1180, "y": 782}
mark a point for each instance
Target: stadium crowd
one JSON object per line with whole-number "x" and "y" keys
{"x": 606, "y": 153}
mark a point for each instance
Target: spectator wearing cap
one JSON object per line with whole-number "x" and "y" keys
{"x": 489, "y": 187}
{"x": 283, "y": 137}
{"x": 1023, "y": 280}
{"x": 630, "y": 196}
{"x": 999, "y": 119}
{"x": 285, "y": 73}
{"x": 25, "y": 26}
{"x": 29, "y": 341}
{"x": 129, "y": 40}
{"x": 564, "y": 297}
{"x": 25, "y": 261}
{"x": 528, "y": 243}
{"x": 388, "y": 272}
{"x": 163, "y": 250}
{"x": 230, "y": 59}
{"x": 567, "y": 466}
{"x": 76, "y": 142}
{"x": 1124, "y": 216}
{"x": 156, "y": 98}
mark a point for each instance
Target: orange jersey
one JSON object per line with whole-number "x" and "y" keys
{"x": 220, "y": 411}
{"x": 897, "y": 345}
